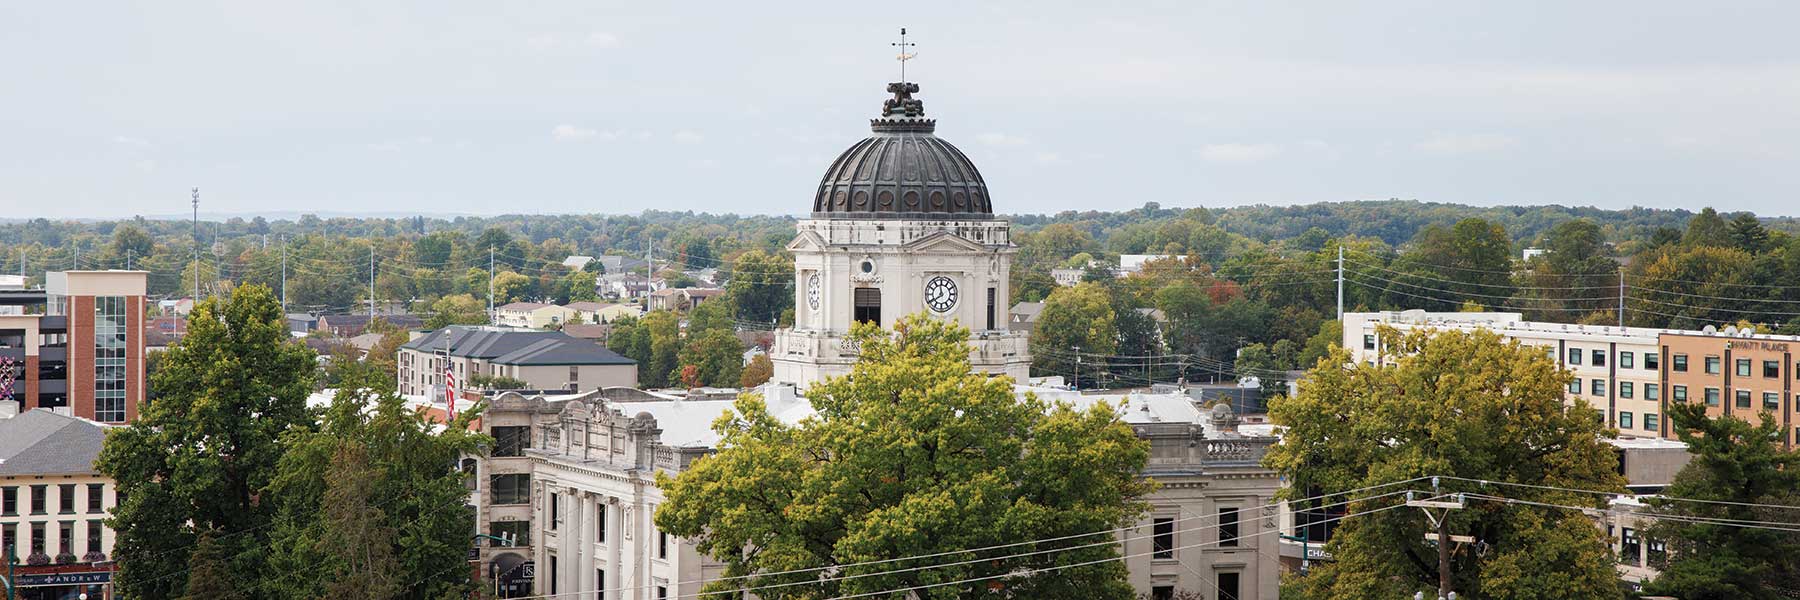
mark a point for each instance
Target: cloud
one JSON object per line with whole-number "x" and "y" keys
{"x": 567, "y": 132}
{"x": 688, "y": 137}
{"x": 1239, "y": 153}
{"x": 556, "y": 41}
{"x": 1465, "y": 143}
{"x": 130, "y": 141}
{"x": 146, "y": 166}
{"x": 1001, "y": 139}
{"x": 1049, "y": 158}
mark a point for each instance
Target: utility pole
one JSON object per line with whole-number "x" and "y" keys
{"x": 371, "y": 281}
{"x": 490, "y": 285}
{"x": 1077, "y": 383}
{"x": 284, "y": 276}
{"x": 1441, "y": 520}
{"x": 196, "y": 197}
{"x": 130, "y": 257}
{"x": 1621, "y": 297}
{"x": 75, "y": 262}
{"x": 1340, "y": 296}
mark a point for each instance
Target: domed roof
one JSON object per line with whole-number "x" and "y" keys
{"x": 902, "y": 171}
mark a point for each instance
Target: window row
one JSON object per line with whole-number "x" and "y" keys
{"x": 1627, "y": 389}
{"x": 40, "y": 533}
{"x": 1597, "y": 358}
{"x": 1742, "y": 367}
{"x": 1739, "y": 398}
{"x": 1162, "y": 539}
{"x": 1651, "y": 421}
{"x": 38, "y": 497}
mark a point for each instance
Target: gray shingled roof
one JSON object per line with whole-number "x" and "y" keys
{"x": 41, "y": 442}
{"x": 518, "y": 347}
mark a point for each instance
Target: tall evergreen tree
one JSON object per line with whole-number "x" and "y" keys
{"x": 1735, "y": 465}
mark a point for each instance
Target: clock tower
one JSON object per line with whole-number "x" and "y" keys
{"x": 901, "y": 224}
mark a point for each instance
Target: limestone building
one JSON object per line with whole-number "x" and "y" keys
{"x": 902, "y": 223}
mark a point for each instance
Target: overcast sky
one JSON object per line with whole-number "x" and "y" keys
{"x": 442, "y": 107}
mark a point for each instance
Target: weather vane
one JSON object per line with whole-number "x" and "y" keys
{"x": 904, "y": 56}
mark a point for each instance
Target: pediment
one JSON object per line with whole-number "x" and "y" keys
{"x": 807, "y": 241}
{"x": 944, "y": 241}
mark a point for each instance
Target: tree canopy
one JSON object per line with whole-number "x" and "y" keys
{"x": 911, "y": 454}
{"x": 1451, "y": 404}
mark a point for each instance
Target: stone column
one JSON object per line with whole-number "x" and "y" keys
{"x": 615, "y": 534}
{"x": 566, "y": 553}
{"x": 588, "y": 555}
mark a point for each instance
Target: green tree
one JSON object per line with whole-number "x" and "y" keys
{"x": 1080, "y": 316}
{"x": 578, "y": 286}
{"x": 1707, "y": 229}
{"x": 457, "y": 309}
{"x": 371, "y": 505}
{"x": 1257, "y": 360}
{"x": 716, "y": 355}
{"x": 1456, "y": 404}
{"x": 131, "y": 243}
{"x": 761, "y": 285}
{"x": 1574, "y": 269}
{"x": 512, "y": 287}
{"x": 1748, "y": 234}
{"x": 1330, "y": 335}
{"x": 890, "y": 468}
{"x": 1735, "y": 465}
{"x": 197, "y": 459}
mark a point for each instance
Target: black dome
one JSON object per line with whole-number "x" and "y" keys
{"x": 902, "y": 171}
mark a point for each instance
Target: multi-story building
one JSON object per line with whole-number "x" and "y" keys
{"x": 571, "y": 483}
{"x": 544, "y": 360}
{"x": 77, "y": 344}
{"x": 1631, "y": 374}
{"x": 54, "y": 504}
{"x": 531, "y": 315}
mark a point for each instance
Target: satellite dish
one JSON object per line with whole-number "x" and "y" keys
{"x": 1730, "y": 330}
{"x": 1709, "y": 330}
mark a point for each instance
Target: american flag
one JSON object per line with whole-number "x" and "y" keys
{"x": 450, "y": 389}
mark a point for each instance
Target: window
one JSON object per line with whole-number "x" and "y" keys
{"x": 8, "y": 540}
{"x": 1228, "y": 586}
{"x": 1712, "y": 396}
{"x": 574, "y": 377}
{"x": 1772, "y": 369}
{"x": 96, "y": 497}
{"x": 1650, "y": 422}
{"x": 1162, "y": 542}
{"x": 511, "y": 488}
{"x": 990, "y": 309}
{"x": 1625, "y": 387}
{"x": 867, "y": 303}
{"x": 600, "y": 522}
{"x": 1712, "y": 365}
{"x": 555, "y": 511}
{"x": 94, "y": 531}
{"x": 662, "y": 592}
{"x": 553, "y": 577}
{"x": 517, "y": 531}
{"x": 1575, "y": 385}
{"x": 1741, "y": 398}
{"x": 1624, "y": 420}
{"x": 1574, "y": 356}
{"x": 1771, "y": 401}
{"x": 1679, "y": 392}
{"x": 1650, "y": 360}
{"x": 1162, "y": 592}
{"x": 1368, "y": 341}
{"x": 1599, "y": 386}
{"x": 65, "y": 537}
{"x": 662, "y": 544}
{"x": 1652, "y": 391}
{"x": 1228, "y": 527}
{"x": 1625, "y": 360}
{"x": 1743, "y": 367}
{"x": 1599, "y": 358}
{"x": 512, "y": 440}
{"x": 37, "y": 537}
{"x": 109, "y": 359}
{"x": 39, "y": 498}
{"x": 600, "y": 581}
{"x": 1679, "y": 363}
{"x": 9, "y": 500}
{"x": 65, "y": 498}
{"x": 1629, "y": 546}
{"x": 1658, "y": 553}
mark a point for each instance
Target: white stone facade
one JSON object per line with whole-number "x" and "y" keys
{"x": 897, "y": 259}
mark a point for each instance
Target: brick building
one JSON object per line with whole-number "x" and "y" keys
{"x": 76, "y": 344}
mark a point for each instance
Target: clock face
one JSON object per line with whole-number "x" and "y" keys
{"x": 812, "y": 291}
{"x": 940, "y": 294}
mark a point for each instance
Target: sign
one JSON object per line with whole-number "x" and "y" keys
{"x": 517, "y": 580}
{"x": 89, "y": 578}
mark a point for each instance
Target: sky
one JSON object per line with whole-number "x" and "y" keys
{"x": 451, "y": 107}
